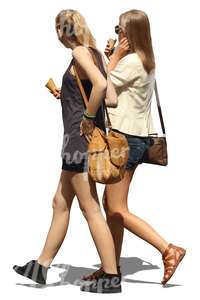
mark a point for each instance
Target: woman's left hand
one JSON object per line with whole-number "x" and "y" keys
{"x": 86, "y": 128}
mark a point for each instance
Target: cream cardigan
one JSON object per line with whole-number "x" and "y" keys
{"x": 134, "y": 87}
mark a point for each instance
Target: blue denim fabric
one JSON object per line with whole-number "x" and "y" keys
{"x": 137, "y": 146}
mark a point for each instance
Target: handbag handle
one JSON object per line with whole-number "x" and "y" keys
{"x": 159, "y": 109}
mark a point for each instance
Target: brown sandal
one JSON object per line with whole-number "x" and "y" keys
{"x": 172, "y": 256}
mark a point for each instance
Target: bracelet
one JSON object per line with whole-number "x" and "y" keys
{"x": 88, "y": 116}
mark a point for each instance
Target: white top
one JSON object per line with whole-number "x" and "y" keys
{"x": 134, "y": 87}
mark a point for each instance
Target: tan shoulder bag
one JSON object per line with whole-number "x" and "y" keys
{"x": 107, "y": 152}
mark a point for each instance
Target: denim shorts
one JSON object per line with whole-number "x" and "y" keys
{"x": 137, "y": 147}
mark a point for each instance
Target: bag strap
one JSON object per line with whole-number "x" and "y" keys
{"x": 86, "y": 101}
{"x": 159, "y": 108}
{"x": 80, "y": 86}
{"x": 97, "y": 63}
{"x": 107, "y": 114}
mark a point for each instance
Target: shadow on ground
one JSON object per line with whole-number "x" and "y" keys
{"x": 72, "y": 275}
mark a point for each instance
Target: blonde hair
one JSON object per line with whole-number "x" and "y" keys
{"x": 137, "y": 29}
{"x": 73, "y": 24}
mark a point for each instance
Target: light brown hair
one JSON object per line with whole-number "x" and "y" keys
{"x": 74, "y": 25}
{"x": 137, "y": 29}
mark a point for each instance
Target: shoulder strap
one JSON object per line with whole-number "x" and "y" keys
{"x": 80, "y": 86}
{"x": 159, "y": 109}
{"x": 97, "y": 63}
{"x": 83, "y": 91}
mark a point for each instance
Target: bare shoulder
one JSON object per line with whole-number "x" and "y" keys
{"x": 81, "y": 51}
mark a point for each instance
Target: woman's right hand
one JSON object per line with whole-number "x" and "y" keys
{"x": 56, "y": 93}
{"x": 122, "y": 48}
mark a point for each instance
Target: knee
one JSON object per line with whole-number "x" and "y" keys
{"x": 59, "y": 204}
{"x": 89, "y": 212}
{"x": 114, "y": 212}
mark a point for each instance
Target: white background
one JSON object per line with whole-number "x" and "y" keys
{"x": 31, "y": 140}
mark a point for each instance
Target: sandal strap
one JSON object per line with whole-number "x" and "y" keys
{"x": 171, "y": 260}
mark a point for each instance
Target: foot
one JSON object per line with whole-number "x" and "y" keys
{"x": 98, "y": 273}
{"x": 33, "y": 270}
{"x": 106, "y": 283}
{"x": 171, "y": 259}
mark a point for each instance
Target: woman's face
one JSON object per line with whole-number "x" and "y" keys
{"x": 121, "y": 33}
{"x": 62, "y": 37}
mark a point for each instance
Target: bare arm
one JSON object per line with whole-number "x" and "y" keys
{"x": 111, "y": 99}
{"x": 85, "y": 62}
{"x": 120, "y": 51}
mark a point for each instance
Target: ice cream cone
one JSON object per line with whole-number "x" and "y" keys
{"x": 51, "y": 85}
{"x": 111, "y": 43}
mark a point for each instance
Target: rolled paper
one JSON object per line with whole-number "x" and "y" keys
{"x": 51, "y": 85}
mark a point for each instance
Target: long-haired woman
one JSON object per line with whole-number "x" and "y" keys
{"x": 132, "y": 71}
{"x": 79, "y": 123}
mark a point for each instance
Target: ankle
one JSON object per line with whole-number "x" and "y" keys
{"x": 110, "y": 271}
{"x": 163, "y": 247}
{"x": 44, "y": 263}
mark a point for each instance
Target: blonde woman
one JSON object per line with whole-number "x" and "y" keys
{"x": 132, "y": 71}
{"x": 79, "y": 123}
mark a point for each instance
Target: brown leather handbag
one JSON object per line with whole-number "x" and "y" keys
{"x": 157, "y": 153}
{"x": 107, "y": 152}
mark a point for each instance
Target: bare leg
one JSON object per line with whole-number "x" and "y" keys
{"x": 62, "y": 202}
{"x": 118, "y": 216}
{"x": 85, "y": 189}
